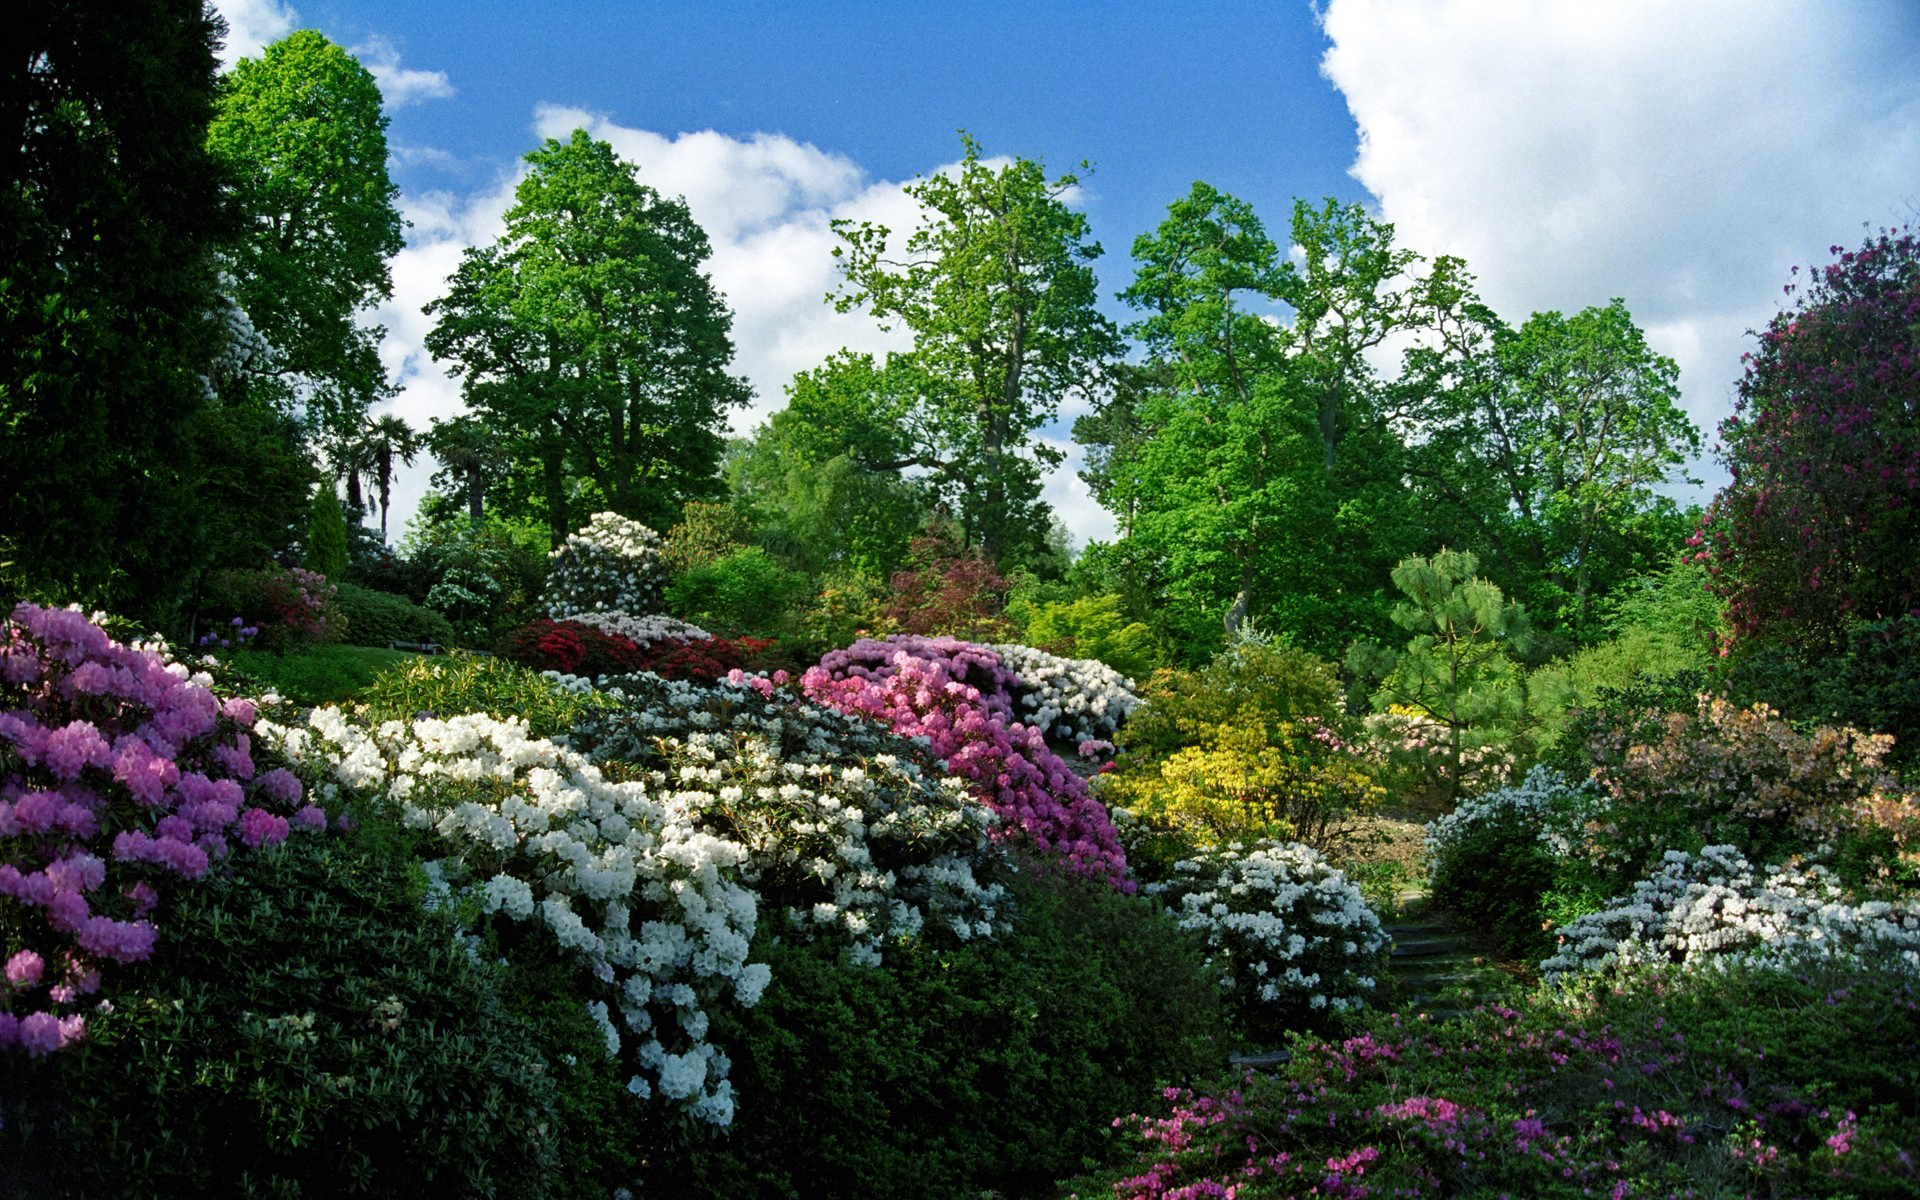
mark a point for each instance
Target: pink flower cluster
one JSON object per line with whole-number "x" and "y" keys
{"x": 924, "y": 689}
{"x": 114, "y": 769}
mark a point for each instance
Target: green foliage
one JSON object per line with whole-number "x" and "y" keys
{"x": 746, "y": 592}
{"x": 306, "y": 1028}
{"x": 302, "y": 137}
{"x": 314, "y": 675}
{"x": 376, "y": 618}
{"x": 590, "y": 341}
{"x": 706, "y": 534}
{"x": 1745, "y": 1082}
{"x": 998, "y": 291}
{"x": 1246, "y": 748}
{"x": 1458, "y": 671}
{"x": 1093, "y": 627}
{"x": 326, "y": 550}
{"x": 1872, "y": 682}
{"x": 991, "y": 1066}
{"x": 448, "y": 686}
{"x": 488, "y": 576}
{"x": 110, "y": 218}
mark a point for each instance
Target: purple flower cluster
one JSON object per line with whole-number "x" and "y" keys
{"x": 116, "y": 770}
{"x": 930, "y": 687}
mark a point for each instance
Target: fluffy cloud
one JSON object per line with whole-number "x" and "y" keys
{"x": 766, "y": 202}
{"x": 1680, "y": 156}
{"x": 400, "y": 86}
{"x": 251, "y": 26}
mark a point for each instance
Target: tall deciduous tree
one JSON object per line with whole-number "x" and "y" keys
{"x": 998, "y": 291}
{"x": 590, "y": 340}
{"x": 1553, "y": 448}
{"x": 302, "y": 136}
{"x": 109, "y": 211}
{"x": 1818, "y": 527}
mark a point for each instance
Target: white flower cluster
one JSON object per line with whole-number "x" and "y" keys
{"x": 1284, "y": 926}
{"x": 1715, "y": 907}
{"x": 613, "y": 565}
{"x": 1076, "y": 699}
{"x": 622, "y": 873}
{"x": 1543, "y": 801}
{"x": 640, "y": 630}
{"x": 845, "y": 831}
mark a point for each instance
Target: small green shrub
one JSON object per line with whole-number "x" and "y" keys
{"x": 376, "y": 618}
{"x": 994, "y": 1066}
{"x": 450, "y": 685}
{"x": 316, "y": 675}
{"x": 1093, "y": 627}
{"x": 745, "y": 592}
{"x": 307, "y": 1029}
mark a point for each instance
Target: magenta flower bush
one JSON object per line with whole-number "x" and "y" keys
{"x": 120, "y": 775}
{"x": 926, "y": 687}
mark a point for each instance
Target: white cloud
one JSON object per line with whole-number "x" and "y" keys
{"x": 1680, "y": 156}
{"x": 400, "y": 86}
{"x": 251, "y": 26}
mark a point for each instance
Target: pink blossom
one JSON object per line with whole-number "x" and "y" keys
{"x": 24, "y": 969}
{"x": 259, "y": 827}
{"x": 282, "y": 785}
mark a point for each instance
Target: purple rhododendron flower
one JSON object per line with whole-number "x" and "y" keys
{"x": 25, "y": 968}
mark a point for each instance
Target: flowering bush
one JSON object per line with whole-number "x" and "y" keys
{"x": 1040, "y": 800}
{"x": 1497, "y": 861}
{"x": 288, "y": 607}
{"x": 1738, "y": 775}
{"x": 613, "y": 565}
{"x": 1291, "y": 937}
{"x": 1415, "y": 753}
{"x": 949, "y": 589}
{"x": 1074, "y": 699}
{"x": 843, "y": 828}
{"x": 119, "y": 774}
{"x": 1699, "y": 907}
{"x": 640, "y": 630}
{"x": 1739, "y": 1083}
{"x": 573, "y": 648}
{"x": 618, "y": 873}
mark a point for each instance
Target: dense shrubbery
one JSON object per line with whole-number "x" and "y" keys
{"x": 990, "y": 1067}
{"x": 1742, "y": 1082}
{"x": 292, "y": 607}
{"x": 745, "y": 591}
{"x": 612, "y": 565}
{"x": 376, "y": 618}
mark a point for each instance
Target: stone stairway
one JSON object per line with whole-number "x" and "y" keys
{"x": 1436, "y": 967}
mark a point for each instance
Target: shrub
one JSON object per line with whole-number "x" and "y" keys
{"x": 120, "y": 777}
{"x": 1496, "y": 859}
{"x": 1094, "y": 627}
{"x": 572, "y": 648}
{"x": 1291, "y": 940}
{"x": 949, "y": 590}
{"x": 291, "y": 607}
{"x": 611, "y": 565}
{"x": 1871, "y": 682}
{"x": 988, "y": 1068}
{"x": 747, "y": 591}
{"x": 465, "y": 684}
{"x": 326, "y": 534}
{"x": 1743, "y": 1082}
{"x": 376, "y": 618}
{"x": 1074, "y": 700}
{"x": 533, "y": 838}
{"x": 706, "y": 534}
{"x": 921, "y": 692}
{"x": 1248, "y": 747}
{"x": 303, "y": 678}
{"x": 305, "y": 1029}
{"x": 1714, "y": 904}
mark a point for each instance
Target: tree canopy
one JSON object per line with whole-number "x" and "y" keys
{"x": 591, "y": 342}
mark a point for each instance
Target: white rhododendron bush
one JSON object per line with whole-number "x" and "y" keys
{"x": 1717, "y": 906}
{"x": 1074, "y": 699}
{"x": 613, "y": 565}
{"x": 1288, "y": 932}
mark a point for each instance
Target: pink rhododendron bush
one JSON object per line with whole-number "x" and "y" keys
{"x": 961, "y": 698}
{"x": 122, "y": 777}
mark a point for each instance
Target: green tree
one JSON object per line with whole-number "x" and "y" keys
{"x": 110, "y": 211}
{"x": 301, "y": 134}
{"x": 590, "y": 341}
{"x": 1551, "y": 453}
{"x": 1459, "y": 671}
{"x": 469, "y": 457}
{"x": 327, "y": 534}
{"x": 388, "y": 438}
{"x": 998, "y": 291}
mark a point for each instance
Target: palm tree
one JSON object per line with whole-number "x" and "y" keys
{"x": 386, "y": 438}
{"x": 471, "y": 455}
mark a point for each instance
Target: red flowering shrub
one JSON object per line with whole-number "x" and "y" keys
{"x": 574, "y": 649}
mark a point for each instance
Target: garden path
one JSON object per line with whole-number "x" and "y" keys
{"x": 1436, "y": 967}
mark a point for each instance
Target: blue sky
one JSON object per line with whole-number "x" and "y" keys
{"x": 1679, "y": 156}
